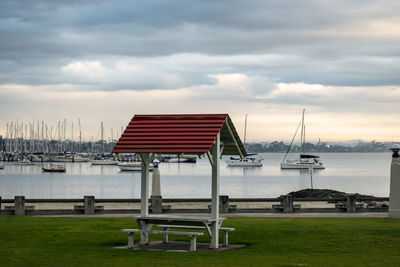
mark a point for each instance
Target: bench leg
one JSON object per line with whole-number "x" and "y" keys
{"x": 165, "y": 236}
{"x": 225, "y": 238}
{"x": 144, "y": 234}
{"x": 130, "y": 239}
{"x": 144, "y": 238}
{"x": 192, "y": 243}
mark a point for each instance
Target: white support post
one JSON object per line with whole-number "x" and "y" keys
{"x": 130, "y": 239}
{"x": 144, "y": 195}
{"x": 394, "y": 197}
{"x": 144, "y": 209}
{"x": 215, "y": 151}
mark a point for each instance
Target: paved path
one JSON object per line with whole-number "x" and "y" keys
{"x": 314, "y": 215}
{"x": 266, "y": 215}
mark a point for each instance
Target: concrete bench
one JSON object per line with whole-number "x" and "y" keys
{"x": 344, "y": 206}
{"x": 165, "y": 208}
{"x": 286, "y": 204}
{"x": 282, "y": 206}
{"x": 229, "y": 209}
{"x": 82, "y": 208}
{"x": 224, "y": 231}
{"x": 192, "y": 235}
{"x": 89, "y": 206}
{"x": 19, "y": 207}
{"x": 14, "y": 208}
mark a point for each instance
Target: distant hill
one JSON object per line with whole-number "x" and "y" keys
{"x": 350, "y": 146}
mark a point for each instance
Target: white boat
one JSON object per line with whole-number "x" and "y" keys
{"x": 103, "y": 162}
{"x": 248, "y": 161}
{"x": 133, "y": 166}
{"x": 25, "y": 162}
{"x": 1, "y": 167}
{"x": 80, "y": 159}
{"x": 305, "y": 161}
{"x": 183, "y": 159}
{"x": 75, "y": 158}
{"x": 62, "y": 159}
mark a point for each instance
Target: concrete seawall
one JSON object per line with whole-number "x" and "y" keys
{"x": 89, "y": 205}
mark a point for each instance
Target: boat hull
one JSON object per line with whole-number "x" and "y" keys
{"x": 80, "y": 160}
{"x": 132, "y": 167}
{"x": 239, "y": 163}
{"x": 104, "y": 162}
{"x": 53, "y": 169}
{"x": 301, "y": 166}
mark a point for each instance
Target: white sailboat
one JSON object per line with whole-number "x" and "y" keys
{"x": 133, "y": 166}
{"x": 103, "y": 162}
{"x": 305, "y": 161}
{"x": 250, "y": 160}
{"x": 25, "y": 162}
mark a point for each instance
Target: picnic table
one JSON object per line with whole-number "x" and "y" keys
{"x": 166, "y": 223}
{"x": 146, "y": 223}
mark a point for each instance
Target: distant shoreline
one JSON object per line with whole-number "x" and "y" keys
{"x": 322, "y": 152}
{"x": 281, "y": 147}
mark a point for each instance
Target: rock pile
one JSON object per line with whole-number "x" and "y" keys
{"x": 321, "y": 193}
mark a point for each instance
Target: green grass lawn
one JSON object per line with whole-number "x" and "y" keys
{"x": 73, "y": 241}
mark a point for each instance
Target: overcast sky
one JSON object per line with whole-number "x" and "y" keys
{"x": 108, "y": 60}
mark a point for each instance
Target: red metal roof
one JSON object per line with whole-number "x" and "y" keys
{"x": 183, "y": 133}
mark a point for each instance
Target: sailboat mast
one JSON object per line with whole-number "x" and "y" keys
{"x": 245, "y": 130}
{"x": 304, "y": 137}
{"x": 302, "y": 133}
{"x": 72, "y": 138}
{"x": 80, "y": 136}
{"x": 102, "y": 136}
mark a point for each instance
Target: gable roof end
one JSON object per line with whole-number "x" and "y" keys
{"x": 175, "y": 134}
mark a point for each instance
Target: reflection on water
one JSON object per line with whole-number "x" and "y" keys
{"x": 366, "y": 173}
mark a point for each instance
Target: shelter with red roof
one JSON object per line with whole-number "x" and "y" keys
{"x": 197, "y": 134}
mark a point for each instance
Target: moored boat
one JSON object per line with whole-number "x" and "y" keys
{"x": 183, "y": 159}
{"x": 80, "y": 159}
{"x": 248, "y": 161}
{"x": 69, "y": 159}
{"x": 54, "y": 168}
{"x": 103, "y": 162}
{"x": 305, "y": 161}
{"x": 133, "y": 166}
{"x": 25, "y": 162}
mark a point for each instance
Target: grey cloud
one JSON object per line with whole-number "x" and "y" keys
{"x": 40, "y": 37}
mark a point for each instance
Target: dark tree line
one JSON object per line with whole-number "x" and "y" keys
{"x": 319, "y": 147}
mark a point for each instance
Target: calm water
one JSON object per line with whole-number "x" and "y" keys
{"x": 365, "y": 173}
